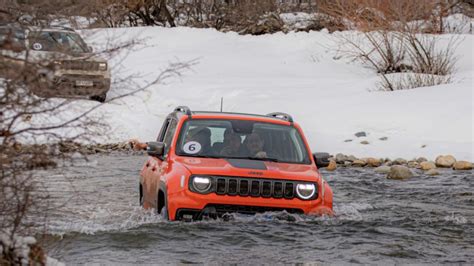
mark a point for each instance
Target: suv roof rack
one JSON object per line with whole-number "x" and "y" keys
{"x": 282, "y": 116}
{"x": 183, "y": 109}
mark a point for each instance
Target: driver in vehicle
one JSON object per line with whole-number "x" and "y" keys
{"x": 254, "y": 144}
{"x": 232, "y": 145}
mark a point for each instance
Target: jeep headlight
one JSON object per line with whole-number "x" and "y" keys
{"x": 201, "y": 184}
{"x": 305, "y": 191}
{"x": 102, "y": 66}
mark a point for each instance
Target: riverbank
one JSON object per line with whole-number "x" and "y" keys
{"x": 381, "y": 165}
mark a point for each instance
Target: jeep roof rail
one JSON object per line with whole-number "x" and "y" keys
{"x": 183, "y": 109}
{"x": 282, "y": 116}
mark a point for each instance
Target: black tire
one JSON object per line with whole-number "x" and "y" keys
{"x": 99, "y": 98}
{"x": 162, "y": 208}
{"x": 140, "y": 193}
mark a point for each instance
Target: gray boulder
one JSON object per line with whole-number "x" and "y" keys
{"x": 462, "y": 165}
{"x": 399, "y": 161}
{"x": 399, "y": 172}
{"x": 382, "y": 169}
{"x": 446, "y": 161}
{"x": 432, "y": 172}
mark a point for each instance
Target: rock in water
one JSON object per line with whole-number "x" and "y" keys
{"x": 399, "y": 172}
{"x": 372, "y": 162}
{"x": 412, "y": 164}
{"x": 421, "y": 159}
{"x": 445, "y": 161}
{"x": 382, "y": 169}
{"x": 359, "y": 163}
{"x": 462, "y": 165}
{"x": 425, "y": 166}
{"x": 360, "y": 134}
{"x": 341, "y": 158}
{"x": 351, "y": 158}
{"x": 432, "y": 172}
{"x": 399, "y": 161}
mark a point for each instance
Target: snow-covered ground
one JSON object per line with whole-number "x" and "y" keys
{"x": 296, "y": 73}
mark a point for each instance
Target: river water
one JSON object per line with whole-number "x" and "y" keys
{"x": 96, "y": 219}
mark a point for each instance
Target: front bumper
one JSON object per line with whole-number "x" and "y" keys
{"x": 72, "y": 85}
{"x": 186, "y": 202}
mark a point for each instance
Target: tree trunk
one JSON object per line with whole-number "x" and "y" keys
{"x": 166, "y": 12}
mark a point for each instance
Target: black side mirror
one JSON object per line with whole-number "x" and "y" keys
{"x": 321, "y": 159}
{"x": 155, "y": 149}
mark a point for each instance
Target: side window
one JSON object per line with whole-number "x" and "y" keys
{"x": 164, "y": 127}
{"x": 169, "y": 135}
{"x": 12, "y": 39}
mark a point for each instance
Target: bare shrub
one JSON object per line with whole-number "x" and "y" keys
{"x": 404, "y": 81}
{"x": 427, "y": 56}
{"x": 390, "y": 42}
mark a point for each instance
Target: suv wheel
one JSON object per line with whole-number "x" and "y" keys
{"x": 162, "y": 204}
{"x": 140, "y": 191}
{"x": 100, "y": 98}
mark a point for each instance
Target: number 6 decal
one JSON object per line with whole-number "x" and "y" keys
{"x": 192, "y": 147}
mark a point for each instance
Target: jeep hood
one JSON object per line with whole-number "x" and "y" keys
{"x": 249, "y": 168}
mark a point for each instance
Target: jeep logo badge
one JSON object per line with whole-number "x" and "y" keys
{"x": 255, "y": 173}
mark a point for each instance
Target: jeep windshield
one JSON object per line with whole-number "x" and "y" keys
{"x": 12, "y": 38}
{"x": 57, "y": 41}
{"x": 242, "y": 139}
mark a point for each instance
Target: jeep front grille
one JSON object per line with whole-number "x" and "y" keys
{"x": 79, "y": 65}
{"x": 252, "y": 187}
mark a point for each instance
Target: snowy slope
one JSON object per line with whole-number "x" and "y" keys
{"x": 295, "y": 73}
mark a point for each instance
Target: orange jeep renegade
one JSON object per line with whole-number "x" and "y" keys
{"x": 206, "y": 164}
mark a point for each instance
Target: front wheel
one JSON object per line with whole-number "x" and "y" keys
{"x": 100, "y": 98}
{"x": 140, "y": 193}
{"x": 162, "y": 204}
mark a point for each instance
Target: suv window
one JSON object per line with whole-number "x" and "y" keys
{"x": 168, "y": 136}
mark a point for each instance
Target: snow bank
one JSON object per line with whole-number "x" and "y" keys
{"x": 458, "y": 23}
{"x": 297, "y": 73}
{"x": 18, "y": 247}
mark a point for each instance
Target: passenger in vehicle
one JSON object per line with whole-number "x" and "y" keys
{"x": 254, "y": 145}
{"x": 232, "y": 145}
{"x": 218, "y": 146}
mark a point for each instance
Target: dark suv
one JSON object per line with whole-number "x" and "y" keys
{"x": 65, "y": 65}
